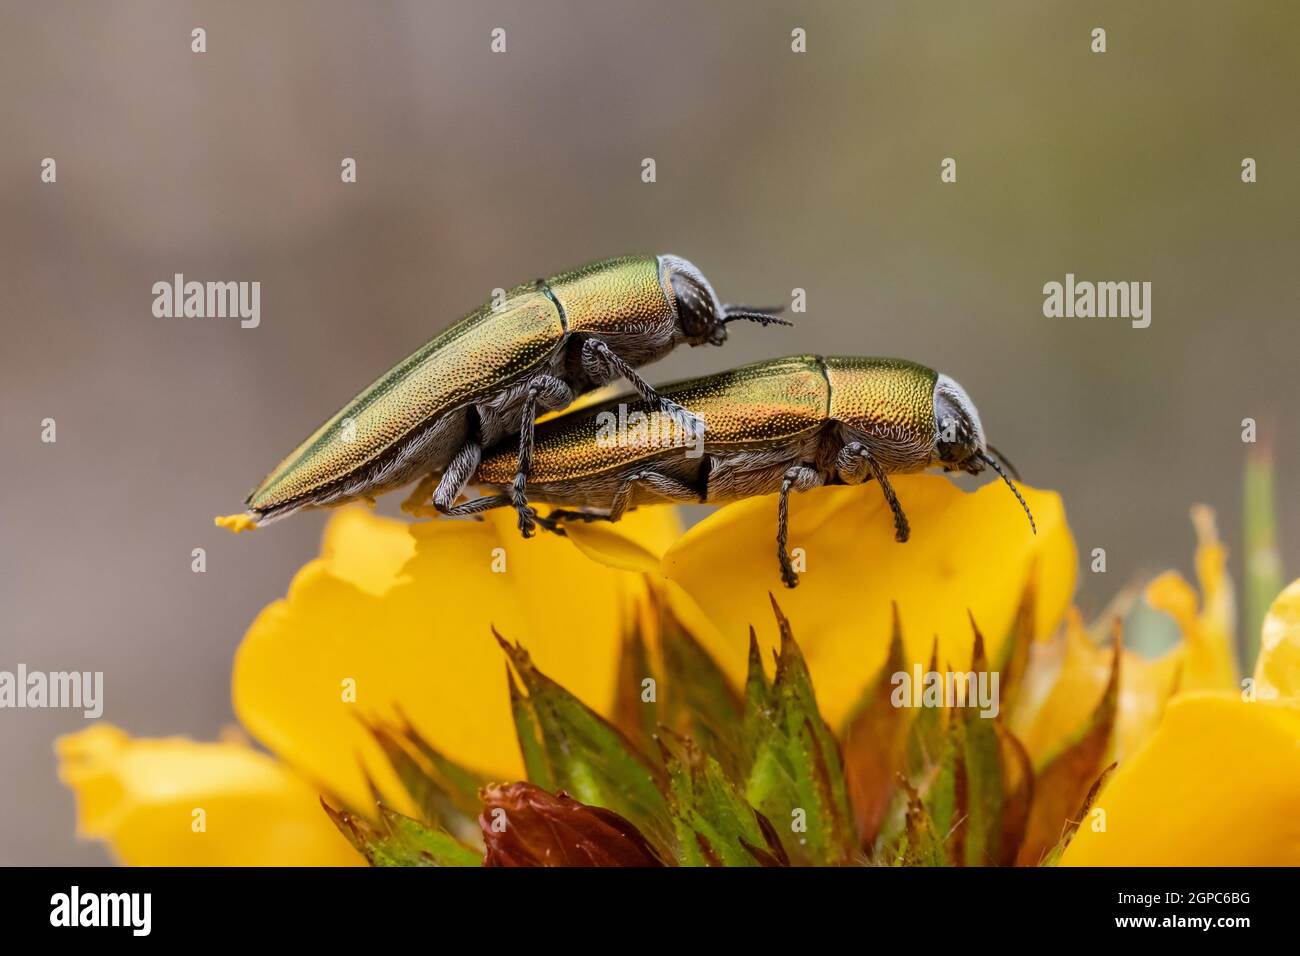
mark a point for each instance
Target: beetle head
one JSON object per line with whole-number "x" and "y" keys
{"x": 701, "y": 316}
{"x": 959, "y": 443}
{"x": 959, "y": 436}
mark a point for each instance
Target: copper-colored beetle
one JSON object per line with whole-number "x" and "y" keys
{"x": 772, "y": 427}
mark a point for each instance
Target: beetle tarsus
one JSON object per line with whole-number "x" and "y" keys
{"x": 476, "y": 506}
{"x": 454, "y": 480}
{"x": 902, "y": 531}
{"x": 797, "y": 478}
{"x": 788, "y": 576}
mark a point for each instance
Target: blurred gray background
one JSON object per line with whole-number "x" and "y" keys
{"x": 477, "y": 170}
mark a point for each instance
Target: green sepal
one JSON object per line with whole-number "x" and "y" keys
{"x": 797, "y": 778}
{"x": 397, "y": 840}
{"x": 569, "y": 747}
{"x": 714, "y": 823}
{"x": 699, "y": 700}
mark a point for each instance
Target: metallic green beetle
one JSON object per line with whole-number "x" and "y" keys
{"x": 487, "y": 378}
{"x": 776, "y": 426}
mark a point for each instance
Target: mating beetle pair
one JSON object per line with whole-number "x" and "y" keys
{"x": 461, "y": 411}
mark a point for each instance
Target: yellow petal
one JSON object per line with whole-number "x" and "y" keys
{"x": 1217, "y": 785}
{"x": 141, "y": 797}
{"x": 637, "y": 543}
{"x": 345, "y": 643}
{"x": 1207, "y": 664}
{"x": 1209, "y": 661}
{"x": 1277, "y": 672}
{"x": 1077, "y": 671}
{"x": 1082, "y": 670}
{"x": 967, "y": 550}
{"x": 366, "y": 550}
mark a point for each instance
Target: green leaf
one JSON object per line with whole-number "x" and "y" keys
{"x": 944, "y": 792}
{"x": 982, "y": 758}
{"x": 575, "y": 750}
{"x": 460, "y": 784}
{"x": 715, "y": 825}
{"x": 397, "y": 840}
{"x": 1013, "y": 661}
{"x": 445, "y": 792}
{"x": 928, "y": 741}
{"x": 1264, "y": 578}
{"x": 797, "y": 778}
{"x": 757, "y": 705}
{"x": 699, "y": 700}
{"x": 536, "y": 764}
{"x": 636, "y": 717}
{"x": 920, "y": 843}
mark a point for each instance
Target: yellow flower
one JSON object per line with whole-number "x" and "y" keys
{"x": 393, "y": 622}
{"x": 174, "y": 802}
{"x": 969, "y": 555}
{"x": 1218, "y": 782}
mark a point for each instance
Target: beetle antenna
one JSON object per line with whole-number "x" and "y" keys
{"x": 763, "y": 316}
{"x": 1007, "y": 464}
{"x": 992, "y": 463}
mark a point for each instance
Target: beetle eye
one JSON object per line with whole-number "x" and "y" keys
{"x": 959, "y": 437}
{"x": 697, "y": 313}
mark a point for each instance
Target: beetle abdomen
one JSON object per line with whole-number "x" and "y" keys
{"x": 482, "y": 352}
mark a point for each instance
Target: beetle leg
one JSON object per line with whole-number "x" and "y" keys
{"x": 661, "y": 484}
{"x": 798, "y": 478}
{"x": 601, "y": 363}
{"x": 478, "y": 505}
{"x": 853, "y": 461}
{"x": 851, "y": 465}
{"x": 544, "y": 393}
{"x": 458, "y": 474}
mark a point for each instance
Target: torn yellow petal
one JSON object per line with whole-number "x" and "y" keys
{"x": 174, "y": 802}
{"x": 1146, "y": 686}
{"x": 339, "y": 647}
{"x": 1217, "y": 785}
{"x": 1077, "y": 671}
{"x": 587, "y": 400}
{"x": 1081, "y": 675}
{"x": 366, "y": 550}
{"x": 637, "y": 543}
{"x": 967, "y": 551}
{"x": 1208, "y": 662}
{"x": 236, "y": 523}
{"x": 1277, "y": 672}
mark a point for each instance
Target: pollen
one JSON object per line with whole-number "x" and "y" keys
{"x": 236, "y": 523}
